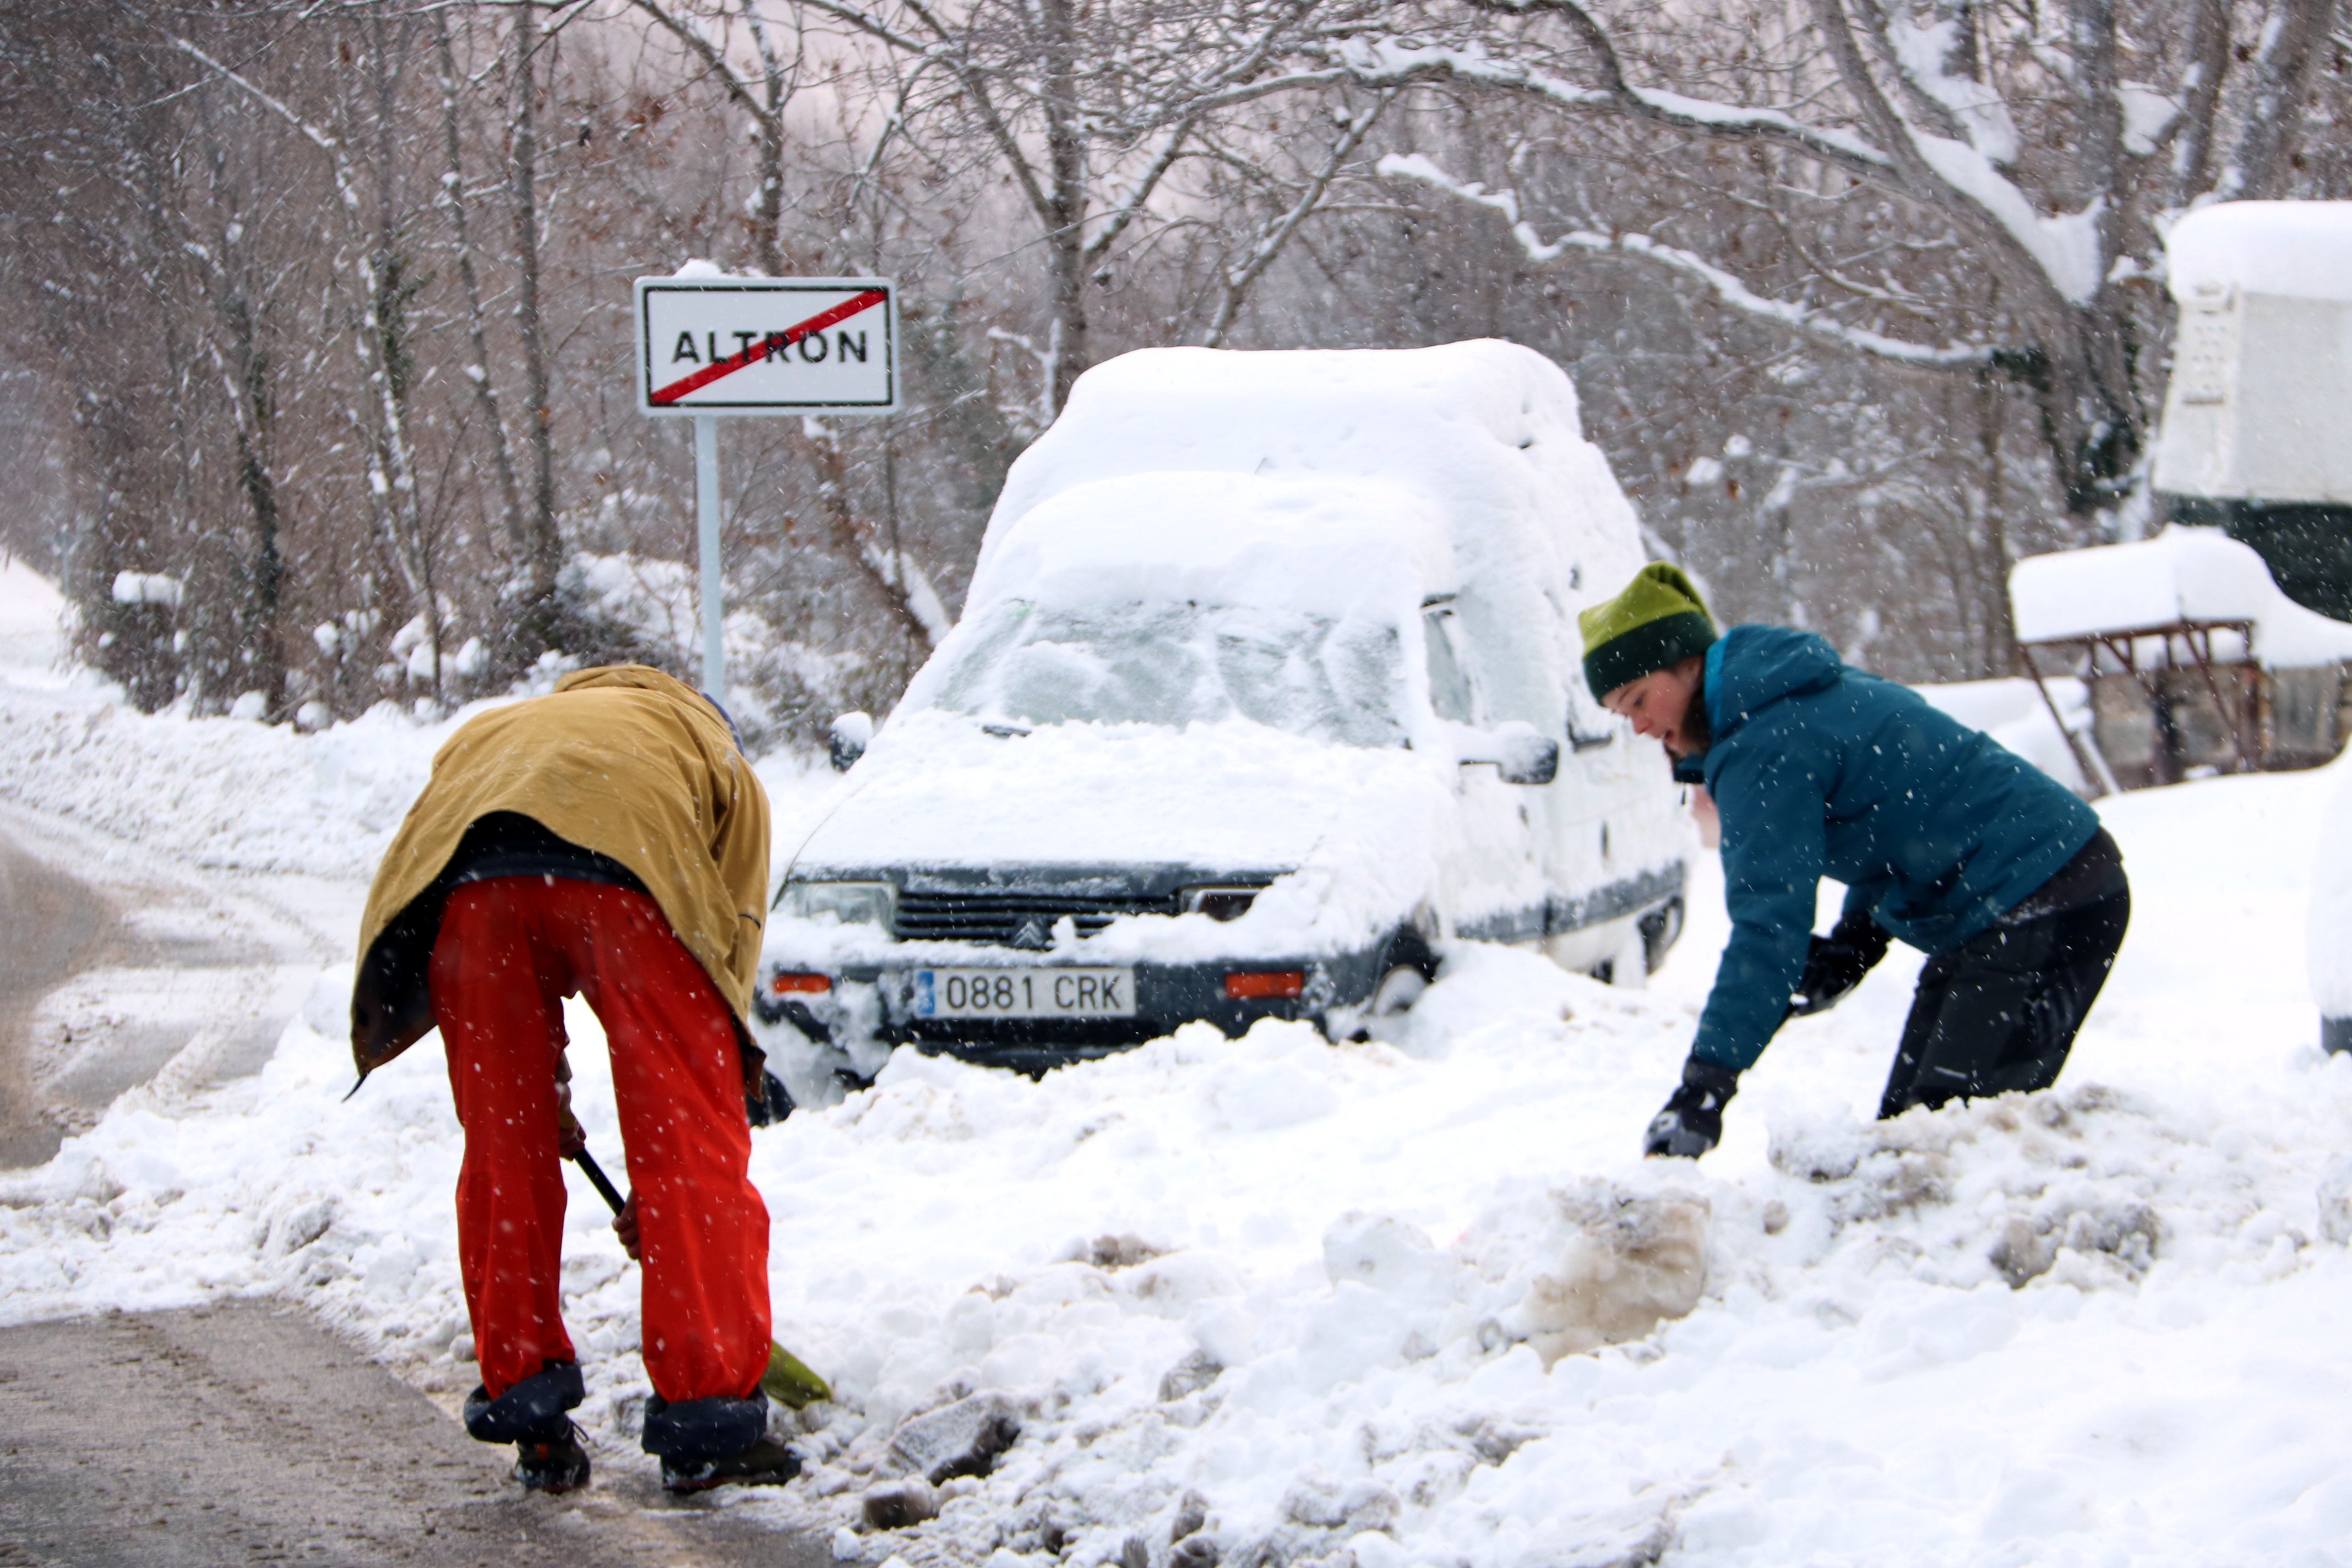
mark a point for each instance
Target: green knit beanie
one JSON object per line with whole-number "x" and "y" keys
{"x": 1659, "y": 620}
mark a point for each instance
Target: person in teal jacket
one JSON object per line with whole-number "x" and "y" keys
{"x": 1942, "y": 837}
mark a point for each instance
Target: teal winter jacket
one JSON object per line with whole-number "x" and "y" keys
{"x": 1819, "y": 769}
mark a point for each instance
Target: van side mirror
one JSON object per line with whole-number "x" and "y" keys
{"x": 847, "y": 741}
{"x": 1521, "y": 752}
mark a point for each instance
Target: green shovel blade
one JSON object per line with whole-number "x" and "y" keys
{"x": 790, "y": 1383}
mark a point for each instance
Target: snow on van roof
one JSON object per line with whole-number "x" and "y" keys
{"x": 1485, "y": 435}
{"x": 1309, "y": 543}
{"x": 2181, "y": 574}
{"x": 1440, "y": 420}
{"x": 2301, "y": 250}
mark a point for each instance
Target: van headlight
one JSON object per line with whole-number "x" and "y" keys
{"x": 845, "y": 903}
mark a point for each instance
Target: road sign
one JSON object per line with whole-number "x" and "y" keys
{"x": 709, "y": 345}
{"x": 767, "y": 346}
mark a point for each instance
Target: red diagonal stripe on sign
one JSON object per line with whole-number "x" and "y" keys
{"x": 755, "y": 352}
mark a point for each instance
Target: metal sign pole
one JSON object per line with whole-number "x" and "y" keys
{"x": 705, "y": 501}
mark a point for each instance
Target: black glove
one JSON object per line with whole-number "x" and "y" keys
{"x": 1691, "y": 1122}
{"x": 1835, "y": 963}
{"x": 774, "y": 1103}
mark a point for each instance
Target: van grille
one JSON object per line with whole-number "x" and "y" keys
{"x": 998, "y": 914}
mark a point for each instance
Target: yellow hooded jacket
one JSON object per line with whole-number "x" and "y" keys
{"x": 624, "y": 761}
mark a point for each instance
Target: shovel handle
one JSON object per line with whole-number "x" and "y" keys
{"x": 598, "y": 1180}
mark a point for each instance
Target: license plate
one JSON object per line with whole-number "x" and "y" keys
{"x": 1040, "y": 993}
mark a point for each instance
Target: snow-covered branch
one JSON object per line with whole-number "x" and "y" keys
{"x": 1402, "y": 62}
{"x": 1729, "y": 290}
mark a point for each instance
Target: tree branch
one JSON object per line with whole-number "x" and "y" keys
{"x": 1726, "y": 289}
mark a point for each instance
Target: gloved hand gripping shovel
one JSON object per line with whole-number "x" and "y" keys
{"x": 788, "y": 1381}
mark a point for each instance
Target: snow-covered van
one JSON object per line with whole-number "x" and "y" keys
{"x": 1268, "y": 684}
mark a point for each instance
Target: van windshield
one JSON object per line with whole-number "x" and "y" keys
{"x": 1180, "y": 663}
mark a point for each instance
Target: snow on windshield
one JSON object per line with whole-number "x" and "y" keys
{"x": 1176, "y": 663}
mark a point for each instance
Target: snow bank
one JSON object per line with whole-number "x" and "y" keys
{"x": 1301, "y": 1301}
{"x": 2297, "y": 250}
{"x": 2183, "y": 573}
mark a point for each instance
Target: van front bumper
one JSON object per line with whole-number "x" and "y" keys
{"x": 1167, "y": 996}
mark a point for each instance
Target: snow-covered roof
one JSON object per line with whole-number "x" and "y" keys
{"x": 2181, "y": 574}
{"x": 2299, "y": 250}
{"x": 1484, "y": 437}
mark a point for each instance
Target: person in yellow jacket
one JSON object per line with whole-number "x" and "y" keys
{"x": 608, "y": 841}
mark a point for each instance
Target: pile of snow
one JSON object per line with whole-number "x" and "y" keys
{"x": 2295, "y": 250}
{"x": 2181, "y": 574}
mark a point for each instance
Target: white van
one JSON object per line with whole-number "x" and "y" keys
{"x": 1268, "y": 682}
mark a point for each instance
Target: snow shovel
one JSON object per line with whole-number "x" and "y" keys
{"x": 788, "y": 1381}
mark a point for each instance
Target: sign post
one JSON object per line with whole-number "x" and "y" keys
{"x": 708, "y": 344}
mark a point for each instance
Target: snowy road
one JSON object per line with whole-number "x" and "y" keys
{"x": 57, "y": 926}
{"x": 245, "y": 1432}
{"x": 129, "y": 973}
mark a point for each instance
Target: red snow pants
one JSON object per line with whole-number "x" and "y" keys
{"x": 509, "y": 950}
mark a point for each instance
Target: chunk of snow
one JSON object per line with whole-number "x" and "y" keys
{"x": 2148, "y": 111}
{"x": 697, "y": 267}
{"x": 249, "y": 706}
{"x": 147, "y": 588}
{"x": 2181, "y": 574}
{"x": 2298, "y": 250}
{"x": 1702, "y": 471}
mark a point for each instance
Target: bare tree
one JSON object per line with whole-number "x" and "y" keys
{"x": 1094, "y": 114}
{"x": 2044, "y": 147}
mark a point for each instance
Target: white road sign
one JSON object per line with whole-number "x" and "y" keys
{"x": 767, "y": 346}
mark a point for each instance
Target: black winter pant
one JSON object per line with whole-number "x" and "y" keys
{"x": 2000, "y": 1011}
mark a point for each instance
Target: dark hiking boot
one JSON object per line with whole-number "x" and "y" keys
{"x": 531, "y": 1415}
{"x": 766, "y": 1463}
{"x": 719, "y": 1442}
{"x": 554, "y": 1464}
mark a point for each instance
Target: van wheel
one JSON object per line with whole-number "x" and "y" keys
{"x": 1661, "y": 928}
{"x": 1392, "y": 998}
{"x": 1399, "y": 989}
